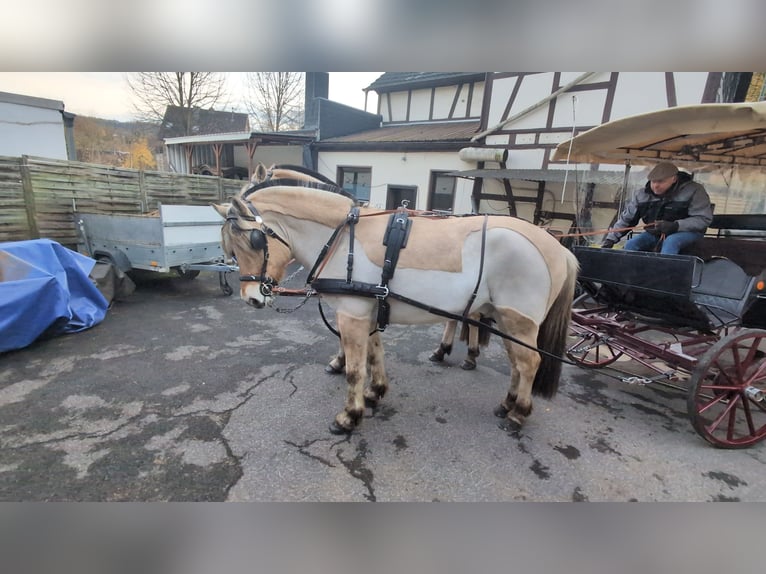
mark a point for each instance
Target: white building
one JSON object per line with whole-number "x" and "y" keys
{"x": 36, "y": 127}
{"x": 483, "y": 142}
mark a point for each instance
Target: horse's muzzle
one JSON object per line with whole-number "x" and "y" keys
{"x": 256, "y": 303}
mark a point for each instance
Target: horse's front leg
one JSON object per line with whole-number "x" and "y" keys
{"x": 471, "y": 334}
{"x": 338, "y": 363}
{"x": 379, "y": 380}
{"x": 445, "y": 346}
{"x": 354, "y": 338}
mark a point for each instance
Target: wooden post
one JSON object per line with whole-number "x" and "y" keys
{"x": 29, "y": 197}
{"x": 142, "y": 197}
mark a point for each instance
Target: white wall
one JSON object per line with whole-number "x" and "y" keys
{"x": 401, "y": 169}
{"x": 27, "y": 130}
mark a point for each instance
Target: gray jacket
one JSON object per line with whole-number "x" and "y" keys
{"x": 686, "y": 202}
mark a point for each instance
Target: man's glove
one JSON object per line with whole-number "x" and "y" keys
{"x": 666, "y": 227}
{"x": 608, "y": 243}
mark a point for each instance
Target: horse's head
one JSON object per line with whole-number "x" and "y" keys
{"x": 261, "y": 254}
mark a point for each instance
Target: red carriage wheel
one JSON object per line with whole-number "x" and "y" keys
{"x": 727, "y": 394}
{"x": 592, "y": 351}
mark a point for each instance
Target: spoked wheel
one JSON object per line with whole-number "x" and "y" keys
{"x": 592, "y": 351}
{"x": 727, "y": 395}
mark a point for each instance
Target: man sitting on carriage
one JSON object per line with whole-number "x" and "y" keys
{"x": 675, "y": 209}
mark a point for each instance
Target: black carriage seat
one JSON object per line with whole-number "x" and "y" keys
{"x": 740, "y": 237}
{"x": 677, "y": 289}
{"x": 724, "y": 291}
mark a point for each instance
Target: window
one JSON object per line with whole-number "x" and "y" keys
{"x": 398, "y": 193}
{"x": 357, "y": 181}
{"x": 441, "y": 196}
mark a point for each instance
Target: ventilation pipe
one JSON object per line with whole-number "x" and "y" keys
{"x": 483, "y": 154}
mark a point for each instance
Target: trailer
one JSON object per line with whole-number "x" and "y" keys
{"x": 185, "y": 239}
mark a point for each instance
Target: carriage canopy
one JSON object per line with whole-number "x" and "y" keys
{"x": 712, "y": 134}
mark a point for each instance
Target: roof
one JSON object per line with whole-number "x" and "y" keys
{"x": 274, "y": 138}
{"x": 394, "y": 81}
{"x": 698, "y": 135}
{"x": 202, "y": 122}
{"x": 413, "y": 132}
{"x": 33, "y": 101}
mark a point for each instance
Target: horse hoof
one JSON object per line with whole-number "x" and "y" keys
{"x": 436, "y": 358}
{"x": 371, "y": 403}
{"x": 332, "y": 370}
{"x": 468, "y": 366}
{"x": 336, "y": 429}
{"x": 509, "y": 425}
{"x": 500, "y": 411}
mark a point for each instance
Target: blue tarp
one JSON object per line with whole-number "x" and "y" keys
{"x": 45, "y": 289}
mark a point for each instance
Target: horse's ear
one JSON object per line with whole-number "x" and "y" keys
{"x": 239, "y": 206}
{"x": 259, "y": 174}
{"x": 222, "y": 208}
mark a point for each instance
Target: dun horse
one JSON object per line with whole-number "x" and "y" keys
{"x": 500, "y": 267}
{"x": 475, "y": 337}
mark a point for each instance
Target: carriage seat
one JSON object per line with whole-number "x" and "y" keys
{"x": 737, "y": 237}
{"x": 723, "y": 291}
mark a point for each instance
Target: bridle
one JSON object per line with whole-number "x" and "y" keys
{"x": 258, "y": 242}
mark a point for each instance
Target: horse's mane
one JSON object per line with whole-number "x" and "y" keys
{"x": 305, "y": 171}
{"x": 304, "y": 201}
{"x": 326, "y": 184}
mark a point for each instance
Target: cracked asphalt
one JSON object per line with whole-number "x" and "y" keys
{"x": 184, "y": 394}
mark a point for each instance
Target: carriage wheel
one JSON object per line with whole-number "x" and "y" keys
{"x": 591, "y": 351}
{"x": 727, "y": 395}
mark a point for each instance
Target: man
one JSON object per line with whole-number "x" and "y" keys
{"x": 675, "y": 209}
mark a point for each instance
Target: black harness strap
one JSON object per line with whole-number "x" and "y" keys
{"x": 351, "y": 220}
{"x": 395, "y": 239}
{"x": 481, "y": 267}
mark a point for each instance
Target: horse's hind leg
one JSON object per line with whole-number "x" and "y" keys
{"x": 524, "y": 361}
{"x": 445, "y": 346}
{"x": 379, "y": 380}
{"x": 354, "y": 336}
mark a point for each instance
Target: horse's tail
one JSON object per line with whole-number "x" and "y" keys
{"x": 483, "y": 331}
{"x": 553, "y": 333}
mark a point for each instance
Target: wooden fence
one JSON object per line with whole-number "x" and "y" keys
{"x": 38, "y": 196}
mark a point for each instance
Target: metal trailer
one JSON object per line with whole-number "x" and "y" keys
{"x": 185, "y": 239}
{"x": 695, "y": 322}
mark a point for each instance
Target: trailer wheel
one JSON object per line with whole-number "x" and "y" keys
{"x": 188, "y": 274}
{"x": 727, "y": 393}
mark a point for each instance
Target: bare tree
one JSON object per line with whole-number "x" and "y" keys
{"x": 275, "y": 100}
{"x": 155, "y": 91}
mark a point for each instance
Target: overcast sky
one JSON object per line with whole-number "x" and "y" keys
{"x": 106, "y": 94}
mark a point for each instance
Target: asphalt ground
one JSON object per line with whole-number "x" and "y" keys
{"x": 185, "y": 394}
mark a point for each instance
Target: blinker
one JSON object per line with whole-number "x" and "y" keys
{"x": 257, "y": 240}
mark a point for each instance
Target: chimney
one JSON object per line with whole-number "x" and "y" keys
{"x": 317, "y": 86}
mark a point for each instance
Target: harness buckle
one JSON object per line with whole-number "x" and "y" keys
{"x": 384, "y": 294}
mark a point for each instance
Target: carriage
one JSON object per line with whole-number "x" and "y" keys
{"x": 695, "y": 321}
{"x": 692, "y": 321}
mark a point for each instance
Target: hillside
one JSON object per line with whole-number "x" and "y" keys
{"x": 122, "y": 144}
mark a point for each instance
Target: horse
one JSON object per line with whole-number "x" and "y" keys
{"x": 472, "y": 335}
{"x": 503, "y": 268}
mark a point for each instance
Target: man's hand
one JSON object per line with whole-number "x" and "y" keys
{"x": 666, "y": 227}
{"x": 607, "y": 244}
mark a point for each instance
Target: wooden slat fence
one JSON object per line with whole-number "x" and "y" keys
{"x": 38, "y": 195}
